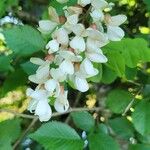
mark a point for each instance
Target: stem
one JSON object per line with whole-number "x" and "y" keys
{"x": 131, "y": 103}
{"x": 54, "y": 114}
{"x": 25, "y": 132}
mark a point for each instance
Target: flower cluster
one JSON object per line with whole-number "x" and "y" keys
{"x": 74, "y": 46}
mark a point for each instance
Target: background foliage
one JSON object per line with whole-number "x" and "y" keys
{"x": 121, "y": 90}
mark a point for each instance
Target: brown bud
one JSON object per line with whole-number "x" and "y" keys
{"x": 93, "y": 26}
{"x": 62, "y": 19}
{"x": 71, "y": 49}
{"x": 49, "y": 57}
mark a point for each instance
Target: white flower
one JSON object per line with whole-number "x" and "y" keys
{"x": 97, "y": 57}
{"x": 71, "y": 21}
{"x": 81, "y": 84}
{"x": 62, "y": 1}
{"x": 99, "y": 4}
{"x": 98, "y": 37}
{"x": 61, "y": 36}
{"x": 47, "y": 26}
{"x": 58, "y": 74}
{"x": 42, "y": 72}
{"x": 53, "y": 87}
{"x": 94, "y": 53}
{"x": 114, "y": 32}
{"x": 97, "y": 15}
{"x": 86, "y": 70}
{"x": 83, "y": 3}
{"x": 61, "y": 104}
{"x": 43, "y": 110}
{"x": 39, "y": 103}
{"x": 78, "y": 44}
{"x": 52, "y": 46}
{"x": 68, "y": 59}
{"x": 71, "y": 10}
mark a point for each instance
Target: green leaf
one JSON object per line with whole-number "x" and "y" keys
{"x": 141, "y": 118}
{"x": 29, "y": 68}
{"x": 9, "y": 132}
{"x": 83, "y": 120}
{"x": 132, "y": 51}
{"x": 25, "y": 41}
{"x": 147, "y": 2}
{"x": 131, "y": 73}
{"x": 57, "y": 136}
{"x": 102, "y": 141}
{"x": 5, "y": 60}
{"x": 14, "y": 80}
{"x": 5, "y": 4}
{"x": 146, "y": 91}
{"x": 118, "y": 100}
{"x": 139, "y": 147}
{"x": 108, "y": 75}
{"x": 116, "y": 62}
{"x": 122, "y": 127}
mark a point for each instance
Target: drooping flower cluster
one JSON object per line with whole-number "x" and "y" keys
{"x": 74, "y": 46}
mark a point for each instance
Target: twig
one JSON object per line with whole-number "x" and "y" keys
{"x": 24, "y": 133}
{"x": 131, "y": 103}
{"x": 54, "y": 114}
{"x": 18, "y": 114}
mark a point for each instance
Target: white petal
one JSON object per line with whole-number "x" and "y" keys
{"x": 50, "y": 85}
{"x": 74, "y": 10}
{"x": 43, "y": 110}
{"x": 68, "y": 55}
{"x": 42, "y": 71}
{"x": 78, "y": 29}
{"x": 37, "y": 61}
{"x": 84, "y": 2}
{"x": 88, "y": 68}
{"x": 53, "y": 14}
{"x": 97, "y": 15}
{"x": 67, "y": 67}
{"x": 53, "y": 46}
{"x": 39, "y": 94}
{"x": 62, "y": 36}
{"x": 115, "y": 33}
{"x": 73, "y": 19}
{"x": 100, "y": 37}
{"x": 32, "y": 105}
{"x": 99, "y": 4}
{"x": 117, "y": 20}
{"x": 46, "y": 26}
{"x": 97, "y": 57}
{"x": 78, "y": 44}
{"x": 92, "y": 45}
{"x": 58, "y": 74}
{"x": 29, "y": 91}
{"x": 34, "y": 79}
{"x": 61, "y": 108}
{"x": 81, "y": 84}
{"x": 61, "y": 104}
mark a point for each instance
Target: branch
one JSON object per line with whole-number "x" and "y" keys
{"x": 54, "y": 114}
{"x": 35, "y": 119}
{"x": 24, "y": 133}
